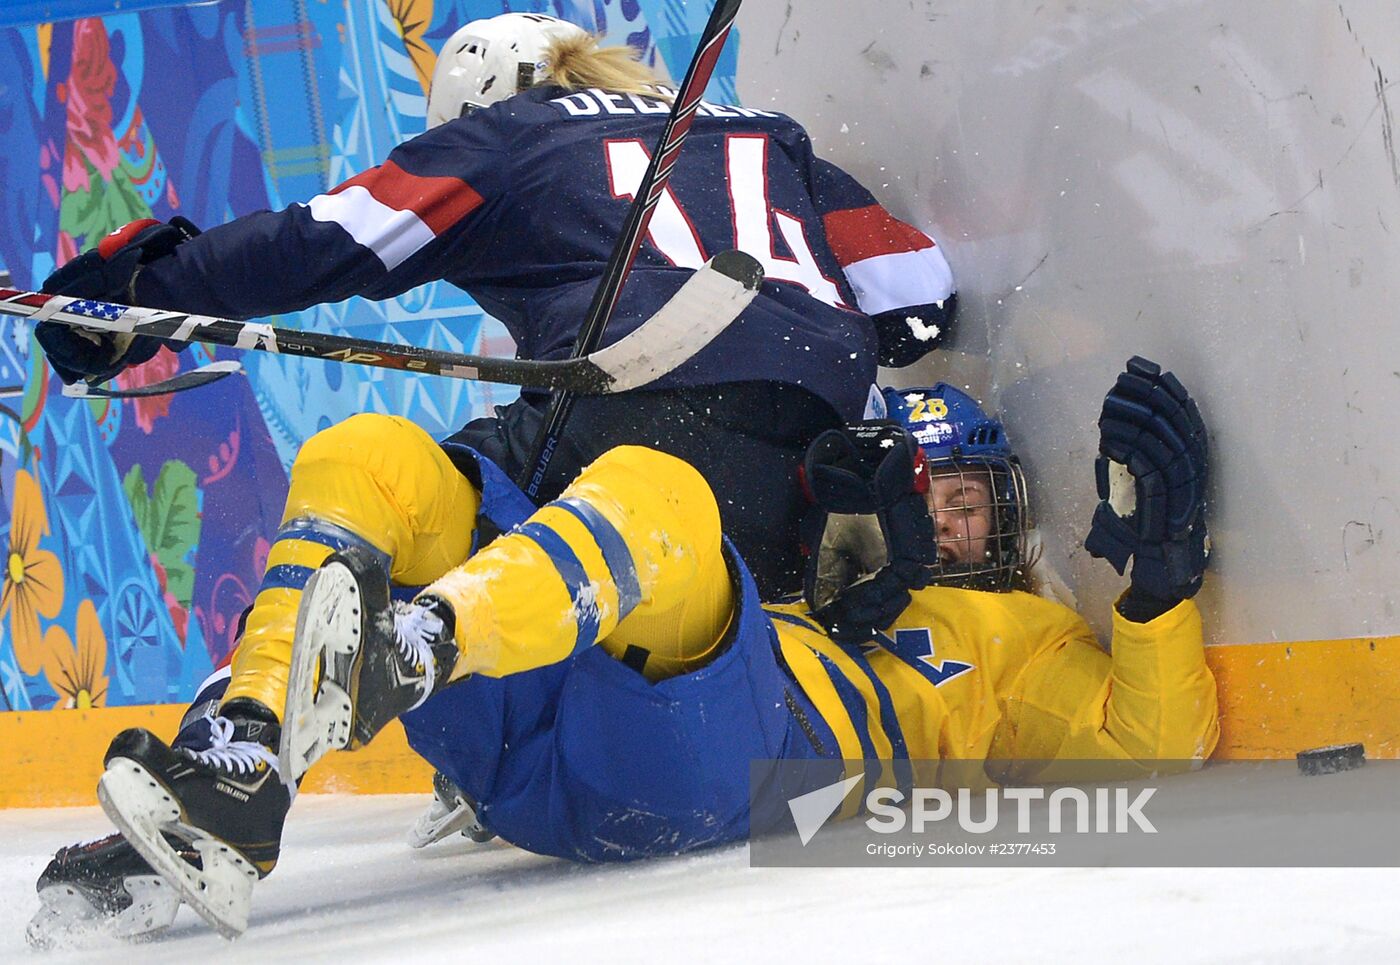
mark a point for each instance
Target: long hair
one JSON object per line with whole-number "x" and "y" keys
{"x": 577, "y": 63}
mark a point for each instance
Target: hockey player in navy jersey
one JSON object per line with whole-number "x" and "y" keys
{"x": 600, "y": 678}
{"x": 516, "y": 193}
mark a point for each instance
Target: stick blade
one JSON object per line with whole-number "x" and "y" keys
{"x": 183, "y": 382}
{"x": 706, "y": 305}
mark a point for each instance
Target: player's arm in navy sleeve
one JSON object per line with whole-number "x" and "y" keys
{"x": 398, "y": 225}
{"x": 899, "y": 275}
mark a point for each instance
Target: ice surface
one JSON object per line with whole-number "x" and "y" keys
{"x": 350, "y": 889}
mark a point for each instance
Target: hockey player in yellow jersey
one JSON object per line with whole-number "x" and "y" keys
{"x": 600, "y": 677}
{"x": 1008, "y": 675}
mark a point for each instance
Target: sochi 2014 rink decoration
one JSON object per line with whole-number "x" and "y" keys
{"x": 135, "y": 531}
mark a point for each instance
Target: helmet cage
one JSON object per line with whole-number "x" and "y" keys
{"x": 1001, "y": 566}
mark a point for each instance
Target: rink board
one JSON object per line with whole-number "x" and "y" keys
{"x": 1275, "y": 700}
{"x": 1280, "y": 698}
{"x": 54, "y": 758}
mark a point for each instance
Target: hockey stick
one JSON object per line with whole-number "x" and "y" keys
{"x": 634, "y": 229}
{"x": 705, "y": 306}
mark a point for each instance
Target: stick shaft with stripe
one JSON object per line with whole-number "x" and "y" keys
{"x": 624, "y": 253}
{"x": 261, "y": 337}
{"x": 705, "y": 305}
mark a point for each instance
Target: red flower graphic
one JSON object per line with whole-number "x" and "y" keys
{"x": 88, "y": 93}
{"x": 165, "y": 364}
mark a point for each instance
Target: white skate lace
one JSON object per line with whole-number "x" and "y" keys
{"x": 241, "y": 757}
{"x": 415, "y": 629}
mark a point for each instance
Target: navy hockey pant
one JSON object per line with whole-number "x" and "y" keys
{"x": 587, "y": 760}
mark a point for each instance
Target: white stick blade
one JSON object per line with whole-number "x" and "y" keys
{"x": 706, "y": 305}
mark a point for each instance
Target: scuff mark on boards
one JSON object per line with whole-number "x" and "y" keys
{"x": 1387, "y": 127}
{"x": 1382, "y": 102}
{"x": 787, "y": 18}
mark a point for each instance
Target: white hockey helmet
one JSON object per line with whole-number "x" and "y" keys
{"x": 489, "y": 60}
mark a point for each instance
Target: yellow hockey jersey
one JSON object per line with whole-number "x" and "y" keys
{"x": 972, "y": 675}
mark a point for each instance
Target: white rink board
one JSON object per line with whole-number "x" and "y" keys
{"x": 348, "y": 889}
{"x": 1212, "y": 185}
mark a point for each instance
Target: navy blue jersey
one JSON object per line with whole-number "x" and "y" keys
{"x": 520, "y": 205}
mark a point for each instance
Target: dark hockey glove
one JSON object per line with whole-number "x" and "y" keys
{"x": 107, "y": 273}
{"x": 1151, "y": 475}
{"x": 868, "y": 537}
{"x": 908, "y": 334}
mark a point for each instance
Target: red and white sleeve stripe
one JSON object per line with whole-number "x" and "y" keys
{"x": 890, "y": 264}
{"x": 394, "y": 213}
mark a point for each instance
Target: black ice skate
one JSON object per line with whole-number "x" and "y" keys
{"x": 103, "y": 887}
{"x": 453, "y": 810}
{"x": 358, "y": 661}
{"x": 225, "y": 803}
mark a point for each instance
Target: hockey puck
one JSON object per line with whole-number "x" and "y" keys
{"x": 1330, "y": 760}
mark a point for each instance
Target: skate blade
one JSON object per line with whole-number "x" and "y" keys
{"x": 141, "y": 807}
{"x": 67, "y": 918}
{"x": 437, "y": 823}
{"x": 317, "y": 716}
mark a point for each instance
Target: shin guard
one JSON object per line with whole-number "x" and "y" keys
{"x": 374, "y": 483}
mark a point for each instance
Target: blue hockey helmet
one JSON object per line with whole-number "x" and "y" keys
{"x": 959, "y": 438}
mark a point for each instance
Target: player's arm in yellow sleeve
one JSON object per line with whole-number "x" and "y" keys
{"x": 1152, "y": 701}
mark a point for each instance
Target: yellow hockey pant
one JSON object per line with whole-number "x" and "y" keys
{"x": 629, "y": 556}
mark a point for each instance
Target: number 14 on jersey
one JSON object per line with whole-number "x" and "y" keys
{"x": 673, "y": 232}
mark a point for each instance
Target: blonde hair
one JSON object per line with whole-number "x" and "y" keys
{"x": 577, "y": 63}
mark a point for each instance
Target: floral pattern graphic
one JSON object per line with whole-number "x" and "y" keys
{"x": 169, "y": 522}
{"x": 98, "y": 193}
{"x": 76, "y": 673}
{"x": 33, "y": 582}
{"x": 92, "y": 147}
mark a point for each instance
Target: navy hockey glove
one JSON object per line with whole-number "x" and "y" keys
{"x": 1151, "y": 475}
{"x": 107, "y": 273}
{"x": 908, "y": 334}
{"x": 868, "y": 538}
